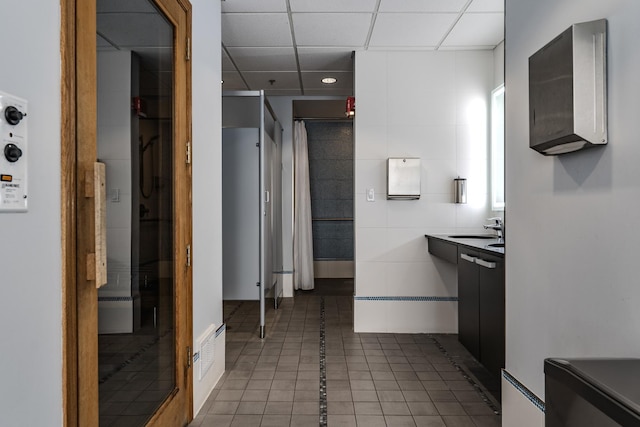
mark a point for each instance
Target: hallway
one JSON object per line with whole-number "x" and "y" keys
{"x": 312, "y": 369}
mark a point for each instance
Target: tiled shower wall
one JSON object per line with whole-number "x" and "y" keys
{"x": 331, "y": 180}
{"x": 435, "y": 106}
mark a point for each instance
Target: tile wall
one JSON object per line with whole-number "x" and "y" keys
{"x": 432, "y": 105}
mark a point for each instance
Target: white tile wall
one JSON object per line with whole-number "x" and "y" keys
{"x": 432, "y": 105}
{"x": 114, "y": 149}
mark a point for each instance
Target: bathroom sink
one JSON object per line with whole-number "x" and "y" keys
{"x": 496, "y": 245}
{"x": 473, "y": 236}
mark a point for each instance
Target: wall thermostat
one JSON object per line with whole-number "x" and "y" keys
{"x": 13, "y": 153}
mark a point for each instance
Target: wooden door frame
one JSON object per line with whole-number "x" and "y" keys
{"x": 78, "y": 153}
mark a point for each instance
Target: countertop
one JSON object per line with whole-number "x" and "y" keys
{"x": 481, "y": 244}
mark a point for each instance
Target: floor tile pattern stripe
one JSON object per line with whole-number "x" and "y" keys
{"x": 323, "y": 368}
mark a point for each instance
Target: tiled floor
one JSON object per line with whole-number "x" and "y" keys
{"x": 371, "y": 379}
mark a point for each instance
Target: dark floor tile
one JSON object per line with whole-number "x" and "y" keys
{"x": 275, "y": 420}
{"x": 304, "y": 420}
{"x": 342, "y": 420}
{"x": 458, "y": 421}
{"x": 477, "y": 408}
{"x": 487, "y": 420}
{"x": 370, "y": 421}
{"x": 217, "y": 420}
{"x": 278, "y": 408}
{"x": 450, "y": 408}
{"x": 246, "y": 421}
{"x": 224, "y": 408}
{"x": 251, "y": 408}
{"x": 429, "y": 421}
{"x": 399, "y": 421}
{"x": 395, "y": 408}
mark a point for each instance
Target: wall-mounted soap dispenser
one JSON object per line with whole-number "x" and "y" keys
{"x": 568, "y": 91}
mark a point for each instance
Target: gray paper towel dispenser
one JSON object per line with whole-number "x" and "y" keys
{"x": 568, "y": 91}
{"x": 403, "y": 178}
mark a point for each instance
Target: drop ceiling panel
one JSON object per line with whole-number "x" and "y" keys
{"x": 431, "y": 6}
{"x": 486, "y": 6}
{"x": 328, "y": 92}
{"x": 256, "y": 30}
{"x": 312, "y": 80}
{"x": 283, "y": 80}
{"x": 333, "y": 5}
{"x": 331, "y": 59}
{"x": 283, "y": 92}
{"x": 264, "y": 58}
{"x": 477, "y": 29}
{"x": 331, "y": 29}
{"x": 254, "y": 6}
{"x": 232, "y": 81}
{"x": 420, "y": 29}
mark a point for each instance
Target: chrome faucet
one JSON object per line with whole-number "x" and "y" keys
{"x": 497, "y": 225}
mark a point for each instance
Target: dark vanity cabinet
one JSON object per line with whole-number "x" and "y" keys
{"x": 492, "y": 329}
{"x": 481, "y": 299}
{"x": 481, "y": 307}
{"x": 469, "y": 303}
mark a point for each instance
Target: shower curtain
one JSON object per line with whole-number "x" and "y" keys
{"x": 302, "y": 237}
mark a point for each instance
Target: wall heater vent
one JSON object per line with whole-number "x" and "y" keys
{"x": 206, "y": 346}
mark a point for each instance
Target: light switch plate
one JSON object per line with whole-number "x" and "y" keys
{"x": 371, "y": 195}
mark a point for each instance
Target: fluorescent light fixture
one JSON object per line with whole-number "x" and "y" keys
{"x": 329, "y": 80}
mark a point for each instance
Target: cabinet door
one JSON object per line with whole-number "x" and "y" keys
{"x": 491, "y": 286}
{"x": 468, "y": 303}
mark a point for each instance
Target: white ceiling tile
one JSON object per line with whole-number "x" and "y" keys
{"x": 430, "y": 6}
{"x": 328, "y": 92}
{"x": 477, "y": 29}
{"x": 331, "y": 59}
{"x": 331, "y": 29}
{"x": 232, "y": 81}
{"x": 256, "y": 30}
{"x": 311, "y": 80}
{"x": 283, "y": 92}
{"x": 450, "y": 48}
{"x": 486, "y": 6}
{"x": 264, "y": 58}
{"x": 342, "y": 6}
{"x": 282, "y": 80}
{"x": 254, "y": 6}
{"x": 410, "y": 30}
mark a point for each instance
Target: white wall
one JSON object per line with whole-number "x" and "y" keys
{"x": 30, "y": 249}
{"x": 283, "y": 107}
{"x": 207, "y": 188}
{"x": 571, "y": 265}
{"x": 432, "y": 105}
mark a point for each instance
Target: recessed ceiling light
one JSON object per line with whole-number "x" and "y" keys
{"x": 329, "y": 80}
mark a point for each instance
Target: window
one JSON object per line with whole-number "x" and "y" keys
{"x": 497, "y": 149}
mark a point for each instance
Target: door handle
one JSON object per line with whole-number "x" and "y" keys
{"x": 468, "y": 258}
{"x": 95, "y": 186}
{"x": 487, "y": 264}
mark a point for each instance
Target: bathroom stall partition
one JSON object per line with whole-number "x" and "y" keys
{"x": 251, "y": 199}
